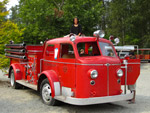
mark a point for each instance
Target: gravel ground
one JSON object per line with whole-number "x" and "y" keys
{"x": 29, "y": 101}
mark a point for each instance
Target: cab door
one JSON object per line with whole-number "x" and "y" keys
{"x": 133, "y": 71}
{"x": 66, "y": 65}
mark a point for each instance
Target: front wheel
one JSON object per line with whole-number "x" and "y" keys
{"x": 45, "y": 91}
{"x": 13, "y": 83}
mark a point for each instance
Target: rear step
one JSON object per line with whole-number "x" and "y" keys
{"x": 25, "y": 83}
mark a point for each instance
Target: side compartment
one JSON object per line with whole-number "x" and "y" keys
{"x": 34, "y": 54}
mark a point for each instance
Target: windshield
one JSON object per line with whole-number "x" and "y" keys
{"x": 107, "y": 49}
{"x": 88, "y": 49}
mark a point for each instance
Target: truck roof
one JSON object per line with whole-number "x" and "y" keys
{"x": 78, "y": 39}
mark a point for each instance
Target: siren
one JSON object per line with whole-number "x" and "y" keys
{"x": 99, "y": 34}
{"x": 116, "y": 40}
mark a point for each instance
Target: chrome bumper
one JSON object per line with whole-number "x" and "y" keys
{"x": 95, "y": 100}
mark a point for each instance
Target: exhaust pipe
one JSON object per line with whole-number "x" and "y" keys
{"x": 15, "y": 51}
{"x": 16, "y": 56}
{"x": 16, "y": 45}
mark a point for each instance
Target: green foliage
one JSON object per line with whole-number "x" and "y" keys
{"x": 89, "y": 12}
{"x": 129, "y": 20}
{"x": 8, "y": 31}
{"x": 13, "y": 15}
{"x": 4, "y": 62}
{"x": 53, "y": 18}
{"x": 3, "y": 11}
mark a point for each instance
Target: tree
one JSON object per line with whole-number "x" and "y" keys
{"x": 89, "y": 12}
{"x": 3, "y": 11}
{"x": 117, "y": 19}
{"x": 8, "y": 31}
{"x": 53, "y": 18}
{"x": 129, "y": 20}
{"x": 13, "y": 16}
{"x": 142, "y": 22}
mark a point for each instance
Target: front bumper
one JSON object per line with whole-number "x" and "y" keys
{"x": 95, "y": 100}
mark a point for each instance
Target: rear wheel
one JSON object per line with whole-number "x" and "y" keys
{"x": 45, "y": 91}
{"x": 12, "y": 80}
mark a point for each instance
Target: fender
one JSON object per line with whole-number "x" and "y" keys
{"x": 17, "y": 71}
{"x": 53, "y": 80}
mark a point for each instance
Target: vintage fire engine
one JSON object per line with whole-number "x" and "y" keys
{"x": 78, "y": 70}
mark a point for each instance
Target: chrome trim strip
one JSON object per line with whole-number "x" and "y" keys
{"x": 66, "y": 91}
{"x": 90, "y": 64}
{"x": 41, "y": 65}
{"x": 94, "y": 100}
{"x": 26, "y": 63}
{"x": 99, "y": 64}
{"x": 57, "y": 62}
{"x": 115, "y": 64}
{"x": 133, "y": 63}
{"x": 107, "y": 78}
{"x": 34, "y": 51}
{"x": 77, "y": 63}
{"x": 125, "y": 86}
{"x": 123, "y": 67}
{"x": 57, "y": 88}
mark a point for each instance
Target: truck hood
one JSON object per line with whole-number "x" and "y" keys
{"x": 99, "y": 60}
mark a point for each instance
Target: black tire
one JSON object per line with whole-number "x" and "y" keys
{"x": 45, "y": 92}
{"x": 13, "y": 83}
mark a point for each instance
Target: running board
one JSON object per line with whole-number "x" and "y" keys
{"x": 25, "y": 83}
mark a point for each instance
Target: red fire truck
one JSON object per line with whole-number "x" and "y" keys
{"x": 78, "y": 70}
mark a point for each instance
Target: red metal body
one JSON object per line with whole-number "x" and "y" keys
{"x": 47, "y": 61}
{"x": 132, "y": 72}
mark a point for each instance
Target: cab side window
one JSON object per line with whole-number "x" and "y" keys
{"x": 50, "y": 51}
{"x": 67, "y": 51}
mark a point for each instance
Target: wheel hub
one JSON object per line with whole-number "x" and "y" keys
{"x": 46, "y": 92}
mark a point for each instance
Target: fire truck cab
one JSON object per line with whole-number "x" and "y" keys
{"x": 78, "y": 70}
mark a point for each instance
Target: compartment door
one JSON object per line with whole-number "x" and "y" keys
{"x": 133, "y": 71}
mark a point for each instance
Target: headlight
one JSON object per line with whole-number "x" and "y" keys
{"x": 120, "y": 73}
{"x": 94, "y": 74}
